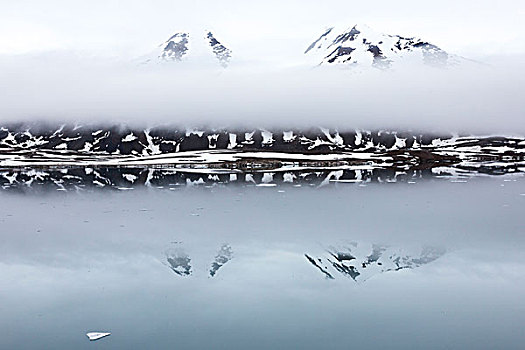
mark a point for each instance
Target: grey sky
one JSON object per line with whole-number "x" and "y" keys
{"x": 54, "y": 64}
{"x": 273, "y": 28}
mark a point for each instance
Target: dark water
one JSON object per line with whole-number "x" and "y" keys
{"x": 440, "y": 265}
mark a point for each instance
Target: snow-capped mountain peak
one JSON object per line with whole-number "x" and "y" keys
{"x": 361, "y": 45}
{"x": 222, "y": 53}
{"x": 182, "y": 46}
{"x": 175, "y": 47}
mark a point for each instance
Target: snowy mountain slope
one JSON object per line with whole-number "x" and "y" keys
{"x": 361, "y": 45}
{"x": 121, "y": 140}
{"x": 184, "y": 46}
{"x": 222, "y": 53}
{"x": 175, "y": 47}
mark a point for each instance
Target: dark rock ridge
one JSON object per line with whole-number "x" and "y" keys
{"x": 222, "y": 53}
{"x": 74, "y": 156}
{"x": 124, "y": 140}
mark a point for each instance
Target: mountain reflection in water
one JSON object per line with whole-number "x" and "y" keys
{"x": 180, "y": 263}
{"x": 121, "y": 178}
{"x": 352, "y": 260}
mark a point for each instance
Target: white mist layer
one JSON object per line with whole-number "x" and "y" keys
{"x": 472, "y": 97}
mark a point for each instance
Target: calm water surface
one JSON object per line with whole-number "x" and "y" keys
{"x": 440, "y": 266}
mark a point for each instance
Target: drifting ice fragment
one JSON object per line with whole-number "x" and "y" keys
{"x": 96, "y": 335}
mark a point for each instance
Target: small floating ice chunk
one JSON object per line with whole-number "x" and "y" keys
{"x": 96, "y": 335}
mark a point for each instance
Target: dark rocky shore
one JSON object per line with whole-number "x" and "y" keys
{"x": 121, "y": 156}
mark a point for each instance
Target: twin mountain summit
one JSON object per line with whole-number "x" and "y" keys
{"x": 358, "y": 45}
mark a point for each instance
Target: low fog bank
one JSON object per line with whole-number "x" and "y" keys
{"x": 473, "y": 98}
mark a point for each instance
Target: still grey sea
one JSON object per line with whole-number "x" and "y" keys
{"x": 426, "y": 265}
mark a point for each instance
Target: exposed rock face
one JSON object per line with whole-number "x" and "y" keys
{"x": 175, "y": 47}
{"x": 360, "y": 45}
{"x": 124, "y": 140}
{"x": 222, "y": 53}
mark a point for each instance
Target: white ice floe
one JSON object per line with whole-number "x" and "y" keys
{"x": 96, "y": 335}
